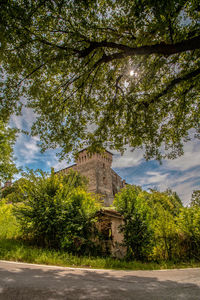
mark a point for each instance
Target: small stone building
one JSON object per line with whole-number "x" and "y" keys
{"x": 108, "y": 225}
{"x": 103, "y": 180}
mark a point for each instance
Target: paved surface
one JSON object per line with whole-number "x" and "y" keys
{"x": 26, "y": 281}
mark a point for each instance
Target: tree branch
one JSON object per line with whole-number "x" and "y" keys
{"x": 162, "y": 48}
{"x": 176, "y": 81}
{"x": 35, "y": 70}
{"x": 170, "y": 86}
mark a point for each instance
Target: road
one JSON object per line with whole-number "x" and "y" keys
{"x": 27, "y": 282}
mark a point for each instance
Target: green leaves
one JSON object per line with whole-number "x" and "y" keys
{"x": 56, "y": 211}
{"x": 7, "y": 139}
{"x": 130, "y": 202}
{"x": 157, "y": 226}
{"x": 72, "y": 62}
{"x": 150, "y": 225}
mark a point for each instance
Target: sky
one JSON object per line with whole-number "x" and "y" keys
{"x": 181, "y": 174}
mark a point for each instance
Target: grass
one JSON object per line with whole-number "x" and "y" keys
{"x": 16, "y": 250}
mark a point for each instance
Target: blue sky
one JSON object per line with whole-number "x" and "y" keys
{"x": 181, "y": 175}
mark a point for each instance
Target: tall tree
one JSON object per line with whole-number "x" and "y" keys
{"x": 104, "y": 73}
{"x": 7, "y": 139}
{"x": 131, "y": 202}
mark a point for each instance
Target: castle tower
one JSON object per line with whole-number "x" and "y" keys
{"x": 97, "y": 168}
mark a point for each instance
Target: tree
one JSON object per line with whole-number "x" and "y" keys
{"x": 7, "y": 139}
{"x": 9, "y": 228}
{"x": 167, "y": 200}
{"x": 195, "y": 198}
{"x": 165, "y": 233}
{"x": 56, "y": 211}
{"x": 104, "y": 73}
{"x": 164, "y": 207}
{"x": 188, "y": 222}
{"x": 131, "y": 203}
{"x": 14, "y": 193}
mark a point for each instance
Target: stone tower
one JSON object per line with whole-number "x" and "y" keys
{"x": 97, "y": 168}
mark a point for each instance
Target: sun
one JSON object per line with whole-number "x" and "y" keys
{"x": 132, "y": 73}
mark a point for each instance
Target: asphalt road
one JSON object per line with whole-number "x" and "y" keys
{"x": 27, "y": 282}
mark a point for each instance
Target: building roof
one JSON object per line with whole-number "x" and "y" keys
{"x": 110, "y": 212}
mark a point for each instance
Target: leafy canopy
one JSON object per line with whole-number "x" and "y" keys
{"x": 104, "y": 73}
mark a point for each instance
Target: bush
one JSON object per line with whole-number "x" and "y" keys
{"x": 9, "y": 228}
{"x": 131, "y": 203}
{"x": 57, "y": 212}
{"x": 150, "y": 227}
{"x": 188, "y": 223}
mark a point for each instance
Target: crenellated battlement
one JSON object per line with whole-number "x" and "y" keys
{"x": 84, "y": 157}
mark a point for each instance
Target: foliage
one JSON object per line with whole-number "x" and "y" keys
{"x": 9, "y": 228}
{"x": 14, "y": 193}
{"x": 195, "y": 198}
{"x": 164, "y": 206}
{"x": 165, "y": 234}
{"x": 167, "y": 200}
{"x": 57, "y": 211}
{"x": 7, "y": 139}
{"x": 73, "y": 61}
{"x": 150, "y": 229}
{"x": 188, "y": 223}
{"x": 137, "y": 232}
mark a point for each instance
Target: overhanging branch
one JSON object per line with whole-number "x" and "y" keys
{"x": 176, "y": 81}
{"x": 161, "y": 48}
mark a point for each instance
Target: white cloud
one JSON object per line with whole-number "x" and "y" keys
{"x": 153, "y": 177}
{"x": 26, "y": 149}
{"x": 128, "y": 159}
{"x": 190, "y": 159}
{"x": 184, "y": 190}
{"x": 59, "y": 165}
{"x": 24, "y": 121}
{"x": 183, "y": 183}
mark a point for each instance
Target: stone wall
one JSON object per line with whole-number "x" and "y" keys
{"x": 108, "y": 224}
{"x": 97, "y": 168}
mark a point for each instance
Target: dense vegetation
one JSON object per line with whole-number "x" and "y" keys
{"x": 157, "y": 226}
{"x": 7, "y": 140}
{"x": 56, "y": 212}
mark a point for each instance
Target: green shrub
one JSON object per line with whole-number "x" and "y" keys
{"x": 57, "y": 212}
{"x": 131, "y": 203}
{"x": 165, "y": 234}
{"x": 9, "y": 228}
{"x": 188, "y": 223}
{"x": 150, "y": 229}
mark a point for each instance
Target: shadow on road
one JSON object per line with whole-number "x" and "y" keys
{"x": 29, "y": 282}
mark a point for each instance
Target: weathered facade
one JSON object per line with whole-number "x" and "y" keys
{"x": 97, "y": 168}
{"x": 108, "y": 225}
